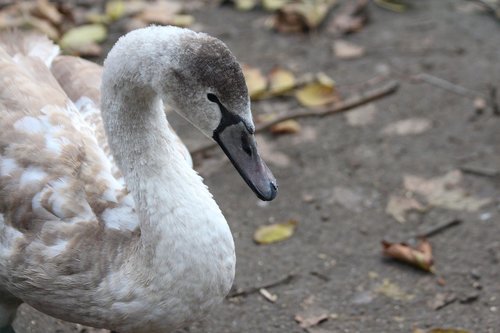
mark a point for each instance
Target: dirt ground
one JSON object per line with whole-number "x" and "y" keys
{"x": 347, "y": 173}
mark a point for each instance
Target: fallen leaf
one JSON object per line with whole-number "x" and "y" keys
{"x": 393, "y": 291}
{"x": 273, "y": 233}
{"x": 393, "y": 5}
{"x": 398, "y": 206}
{"x": 272, "y": 5}
{"x": 256, "y": 82}
{"x": 267, "y": 295}
{"x": 270, "y": 154}
{"x": 409, "y": 126}
{"x": 286, "y": 127}
{"x": 441, "y": 300}
{"x": 43, "y": 26}
{"x": 445, "y": 192}
{"x": 280, "y": 81}
{"x": 81, "y": 37}
{"x": 165, "y": 13}
{"x": 361, "y": 116}
{"x": 245, "y": 5}
{"x": 318, "y": 93}
{"x": 311, "y": 317}
{"x": 350, "y": 18}
{"x": 347, "y": 50}
{"x": 302, "y": 16}
{"x": 347, "y": 198}
{"x": 47, "y": 10}
{"x": 447, "y": 330}
{"x": 115, "y": 9}
{"x": 420, "y": 257}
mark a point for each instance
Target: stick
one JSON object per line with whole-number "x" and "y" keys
{"x": 285, "y": 280}
{"x": 493, "y": 101}
{"x": 489, "y": 7}
{"x": 438, "y": 228}
{"x": 480, "y": 171}
{"x": 350, "y": 103}
{"x": 447, "y": 85}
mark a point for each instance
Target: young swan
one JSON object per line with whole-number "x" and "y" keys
{"x": 179, "y": 261}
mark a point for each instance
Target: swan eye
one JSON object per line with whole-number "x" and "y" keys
{"x": 213, "y": 98}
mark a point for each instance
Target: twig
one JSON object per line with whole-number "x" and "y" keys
{"x": 350, "y": 103}
{"x": 285, "y": 280}
{"x": 480, "y": 171}
{"x": 495, "y": 11}
{"x": 447, "y": 85}
{"x": 493, "y": 100}
{"x": 438, "y": 228}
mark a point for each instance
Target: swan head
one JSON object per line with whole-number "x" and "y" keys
{"x": 207, "y": 87}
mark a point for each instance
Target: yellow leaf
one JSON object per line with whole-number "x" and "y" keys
{"x": 272, "y": 5}
{"x": 275, "y": 232}
{"x": 115, "y": 9}
{"x": 280, "y": 81}
{"x": 286, "y": 127}
{"x": 182, "y": 20}
{"x": 245, "y": 4}
{"x": 256, "y": 82}
{"x": 317, "y": 93}
{"x": 83, "y": 35}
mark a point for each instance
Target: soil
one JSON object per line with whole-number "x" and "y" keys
{"x": 335, "y": 180}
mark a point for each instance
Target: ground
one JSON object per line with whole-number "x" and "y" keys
{"x": 335, "y": 253}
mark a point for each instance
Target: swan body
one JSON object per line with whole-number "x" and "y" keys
{"x": 117, "y": 230}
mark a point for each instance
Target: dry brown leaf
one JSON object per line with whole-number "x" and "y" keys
{"x": 42, "y": 26}
{"x": 256, "y": 82}
{"x": 318, "y": 93}
{"x": 47, "y": 10}
{"x": 286, "y": 127}
{"x": 348, "y": 198}
{"x": 280, "y": 81}
{"x": 302, "y": 16}
{"x": 350, "y": 18}
{"x": 445, "y": 192}
{"x": 398, "y": 206}
{"x": 447, "y": 330}
{"x": 165, "y": 13}
{"x": 393, "y": 291}
{"x": 347, "y": 50}
{"x": 273, "y": 233}
{"x": 311, "y": 317}
{"x": 362, "y": 115}
{"x": 270, "y": 154}
{"x": 420, "y": 257}
{"x": 410, "y": 126}
{"x": 441, "y": 300}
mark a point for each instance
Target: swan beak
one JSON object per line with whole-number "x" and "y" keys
{"x": 238, "y": 143}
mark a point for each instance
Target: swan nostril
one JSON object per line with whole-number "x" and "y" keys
{"x": 245, "y": 145}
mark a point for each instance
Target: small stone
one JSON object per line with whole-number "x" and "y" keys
{"x": 308, "y": 198}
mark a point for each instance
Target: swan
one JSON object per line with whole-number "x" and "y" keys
{"x": 117, "y": 231}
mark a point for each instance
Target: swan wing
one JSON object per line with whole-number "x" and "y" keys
{"x": 81, "y": 80}
{"x": 57, "y": 191}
